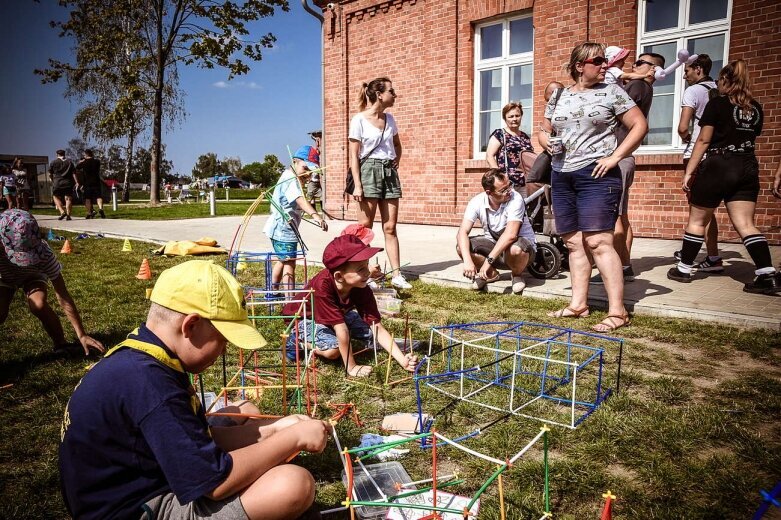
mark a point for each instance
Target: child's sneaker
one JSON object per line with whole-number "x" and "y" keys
{"x": 399, "y": 282}
{"x": 710, "y": 266}
{"x": 102, "y": 213}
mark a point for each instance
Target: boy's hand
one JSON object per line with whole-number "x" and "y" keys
{"x": 312, "y": 435}
{"x": 375, "y": 273}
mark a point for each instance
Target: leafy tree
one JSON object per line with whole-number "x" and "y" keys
{"x": 207, "y": 165}
{"x": 165, "y": 33}
{"x": 264, "y": 174}
{"x": 230, "y": 165}
{"x": 112, "y": 76}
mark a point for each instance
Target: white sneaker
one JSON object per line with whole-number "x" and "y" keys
{"x": 478, "y": 284}
{"x": 399, "y": 282}
{"x": 518, "y": 285}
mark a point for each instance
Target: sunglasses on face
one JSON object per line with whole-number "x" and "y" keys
{"x": 502, "y": 193}
{"x": 596, "y": 60}
{"x": 640, "y": 63}
{"x": 391, "y": 91}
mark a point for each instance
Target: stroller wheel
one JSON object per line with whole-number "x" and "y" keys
{"x": 547, "y": 262}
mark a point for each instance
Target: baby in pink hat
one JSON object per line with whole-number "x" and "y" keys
{"x": 616, "y": 57}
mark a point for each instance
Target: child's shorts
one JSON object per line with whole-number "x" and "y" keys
{"x": 325, "y": 336}
{"x": 10, "y": 191}
{"x": 167, "y": 506}
{"x": 285, "y": 250}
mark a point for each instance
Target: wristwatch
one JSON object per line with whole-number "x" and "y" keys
{"x": 490, "y": 260}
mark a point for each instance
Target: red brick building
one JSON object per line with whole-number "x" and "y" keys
{"x": 455, "y": 63}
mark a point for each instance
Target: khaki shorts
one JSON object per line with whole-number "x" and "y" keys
{"x": 380, "y": 179}
{"x": 167, "y": 507}
{"x": 483, "y": 246}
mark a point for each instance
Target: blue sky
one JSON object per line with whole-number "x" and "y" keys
{"x": 262, "y": 112}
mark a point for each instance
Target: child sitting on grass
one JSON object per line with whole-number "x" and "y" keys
{"x": 287, "y": 202}
{"x": 344, "y": 308}
{"x": 135, "y": 442}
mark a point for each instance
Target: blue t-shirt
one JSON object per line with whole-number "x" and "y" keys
{"x": 286, "y": 191}
{"x": 131, "y": 432}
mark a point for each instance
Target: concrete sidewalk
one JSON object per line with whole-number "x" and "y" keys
{"x": 430, "y": 254}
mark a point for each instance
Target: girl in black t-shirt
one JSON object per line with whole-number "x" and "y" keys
{"x": 729, "y": 127}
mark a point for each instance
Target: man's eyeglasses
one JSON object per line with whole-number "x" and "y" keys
{"x": 640, "y": 63}
{"x": 596, "y": 60}
{"x": 504, "y": 192}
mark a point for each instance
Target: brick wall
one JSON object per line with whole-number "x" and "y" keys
{"x": 426, "y": 48}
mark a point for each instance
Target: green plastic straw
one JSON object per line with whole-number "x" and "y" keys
{"x": 487, "y": 483}
{"x": 407, "y": 506}
{"x": 379, "y": 448}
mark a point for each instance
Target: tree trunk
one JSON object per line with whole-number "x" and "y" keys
{"x": 131, "y": 138}
{"x": 157, "y": 118}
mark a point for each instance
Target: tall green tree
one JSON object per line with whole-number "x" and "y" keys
{"x": 162, "y": 34}
{"x": 207, "y": 165}
{"x": 263, "y": 173}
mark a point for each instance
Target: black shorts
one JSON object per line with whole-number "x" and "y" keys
{"x": 725, "y": 177}
{"x": 63, "y": 191}
{"x": 93, "y": 193}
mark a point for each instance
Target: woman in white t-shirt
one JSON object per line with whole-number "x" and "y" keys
{"x": 374, "y": 155}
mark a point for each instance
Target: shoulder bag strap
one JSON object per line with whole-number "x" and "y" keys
{"x": 493, "y": 233}
{"x": 384, "y": 127}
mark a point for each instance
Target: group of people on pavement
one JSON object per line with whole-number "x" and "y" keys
{"x": 80, "y": 180}
{"x": 16, "y": 184}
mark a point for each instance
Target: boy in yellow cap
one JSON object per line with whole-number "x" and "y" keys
{"x": 135, "y": 440}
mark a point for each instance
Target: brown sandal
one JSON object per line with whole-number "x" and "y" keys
{"x": 359, "y": 371}
{"x": 574, "y": 313}
{"x": 609, "y": 323}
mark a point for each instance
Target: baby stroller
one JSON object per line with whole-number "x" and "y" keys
{"x": 552, "y": 256}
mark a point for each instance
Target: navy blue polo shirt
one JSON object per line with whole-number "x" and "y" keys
{"x": 133, "y": 430}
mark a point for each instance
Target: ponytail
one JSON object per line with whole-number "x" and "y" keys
{"x": 369, "y": 91}
{"x": 737, "y": 84}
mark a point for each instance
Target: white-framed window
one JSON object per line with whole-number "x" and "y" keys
{"x": 664, "y": 27}
{"x": 504, "y": 64}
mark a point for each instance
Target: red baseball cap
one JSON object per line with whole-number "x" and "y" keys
{"x": 347, "y": 248}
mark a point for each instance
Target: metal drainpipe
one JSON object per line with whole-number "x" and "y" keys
{"x": 320, "y": 17}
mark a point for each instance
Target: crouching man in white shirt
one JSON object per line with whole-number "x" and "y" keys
{"x": 507, "y": 241}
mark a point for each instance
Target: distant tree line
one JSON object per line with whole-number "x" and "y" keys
{"x": 263, "y": 173}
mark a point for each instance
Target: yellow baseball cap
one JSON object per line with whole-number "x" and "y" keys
{"x": 209, "y": 290}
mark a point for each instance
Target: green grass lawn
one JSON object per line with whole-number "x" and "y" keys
{"x": 163, "y": 211}
{"x": 694, "y": 433}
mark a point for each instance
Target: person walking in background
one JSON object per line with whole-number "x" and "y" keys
{"x": 23, "y": 184}
{"x": 701, "y": 89}
{"x": 8, "y": 184}
{"x": 374, "y": 155}
{"x": 506, "y": 146}
{"x": 92, "y": 183}
{"x": 586, "y": 179}
{"x": 63, "y": 176}
{"x": 729, "y": 127}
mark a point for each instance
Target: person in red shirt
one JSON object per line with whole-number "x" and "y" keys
{"x": 344, "y": 308}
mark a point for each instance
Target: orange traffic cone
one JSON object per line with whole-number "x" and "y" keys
{"x": 607, "y": 511}
{"x": 66, "y": 248}
{"x": 144, "y": 272}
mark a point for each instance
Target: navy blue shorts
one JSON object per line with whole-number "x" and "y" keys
{"x": 583, "y": 203}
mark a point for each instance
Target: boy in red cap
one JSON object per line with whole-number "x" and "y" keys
{"x": 345, "y": 308}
